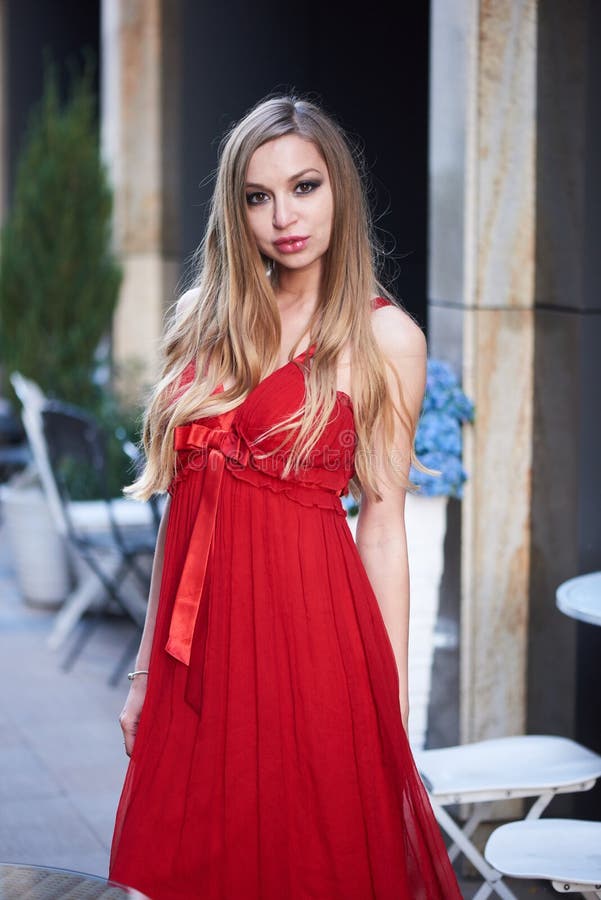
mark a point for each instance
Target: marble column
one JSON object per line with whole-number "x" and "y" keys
{"x": 498, "y": 367}
{"x": 141, "y": 89}
{"x": 481, "y": 285}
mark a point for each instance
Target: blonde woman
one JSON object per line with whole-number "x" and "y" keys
{"x": 267, "y": 714}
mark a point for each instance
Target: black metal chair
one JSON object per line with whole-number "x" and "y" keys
{"x": 119, "y": 555}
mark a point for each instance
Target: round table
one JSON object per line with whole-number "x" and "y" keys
{"x": 24, "y": 882}
{"x": 580, "y": 598}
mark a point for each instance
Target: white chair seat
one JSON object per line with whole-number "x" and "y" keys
{"x": 92, "y": 515}
{"x": 520, "y": 766}
{"x": 564, "y": 851}
{"x": 536, "y": 766}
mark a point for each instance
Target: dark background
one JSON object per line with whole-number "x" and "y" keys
{"x": 58, "y": 29}
{"x": 372, "y": 78}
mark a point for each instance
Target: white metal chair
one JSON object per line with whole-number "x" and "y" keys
{"x": 91, "y": 516}
{"x": 566, "y": 852}
{"x": 482, "y": 773}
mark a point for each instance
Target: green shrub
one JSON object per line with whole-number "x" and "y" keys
{"x": 59, "y": 278}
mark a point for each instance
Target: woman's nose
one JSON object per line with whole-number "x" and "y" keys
{"x": 283, "y": 213}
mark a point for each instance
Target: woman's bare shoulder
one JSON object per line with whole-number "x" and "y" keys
{"x": 185, "y": 303}
{"x": 397, "y": 332}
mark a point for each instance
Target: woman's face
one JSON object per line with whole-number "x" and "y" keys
{"x": 289, "y": 202}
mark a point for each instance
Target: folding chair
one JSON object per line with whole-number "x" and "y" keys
{"x": 565, "y": 852}
{"x": 88, "y": 515}
{"x": 77, "y": 454}
{"x": 524, "y": 766}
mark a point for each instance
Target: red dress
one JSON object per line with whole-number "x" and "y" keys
{"x": 270, "y": 761}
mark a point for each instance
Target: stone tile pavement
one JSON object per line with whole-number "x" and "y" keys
{"x": 62, "y": 761}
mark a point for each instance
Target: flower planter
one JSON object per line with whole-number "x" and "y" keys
{"x": 38, "y": 553}
{"x": 425, "y": 524}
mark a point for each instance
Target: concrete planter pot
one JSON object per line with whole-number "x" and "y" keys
{"x": 426, "y": 524}
{"x": 38, "y": 552}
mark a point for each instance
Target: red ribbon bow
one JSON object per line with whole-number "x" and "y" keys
{"x": 214, "y": 446}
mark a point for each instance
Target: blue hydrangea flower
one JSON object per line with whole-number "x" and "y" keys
{"x": 449, "y": 483}
{"x": 438, "y": 442}
{"x": 438, "y": 431}
{"x": 349, "y": 503}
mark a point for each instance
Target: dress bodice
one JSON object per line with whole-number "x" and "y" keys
{"x": 239, "y": 435}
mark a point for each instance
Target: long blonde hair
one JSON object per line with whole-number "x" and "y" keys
{"x": 232, "y": 328}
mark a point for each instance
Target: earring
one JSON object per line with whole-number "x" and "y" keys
{"x": 269, "y": 268}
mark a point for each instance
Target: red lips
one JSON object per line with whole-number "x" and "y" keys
{"x": 292, "y": 243}
{"x": 290, "y": 239}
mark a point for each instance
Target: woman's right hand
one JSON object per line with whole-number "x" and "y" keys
{"x": 130, "y": 714}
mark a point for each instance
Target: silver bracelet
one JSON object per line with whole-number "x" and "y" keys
{"x": 130, "y": 675}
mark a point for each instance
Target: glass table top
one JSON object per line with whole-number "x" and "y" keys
{"x": 25, "y": 882}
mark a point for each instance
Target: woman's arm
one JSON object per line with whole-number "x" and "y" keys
{"x": 381, "y": 538}
{"x": 130, "y": 714}
{"x": 183, "y": 306}
{"x": 143, "y": 657}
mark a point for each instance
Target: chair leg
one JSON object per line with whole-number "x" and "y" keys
{"x": 74, "y": 607}
{"x": 88, "y": 626}
{"x": 540, "y": 804}
{"x": 124, "y": 660}
{"x": 480, "y": 811}
{"x": 86, "y": 630}
{"x": 106, "y": 576}
{"x": 493, "y": 879}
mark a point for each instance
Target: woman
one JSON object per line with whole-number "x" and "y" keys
{"x": 266, "y": 719}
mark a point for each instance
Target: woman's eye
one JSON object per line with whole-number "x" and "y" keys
{"x": 255, "y": 198}
{"x": 306, "y": 187}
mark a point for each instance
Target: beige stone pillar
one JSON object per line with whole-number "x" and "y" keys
{"x": 141, "y": 91}
{"x": 483, "y": 221}
{"x": 498, "y": 367}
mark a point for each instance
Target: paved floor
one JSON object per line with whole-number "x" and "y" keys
{"x": 61, "y": 754}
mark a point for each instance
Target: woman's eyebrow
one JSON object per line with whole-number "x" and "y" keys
{"x": 292, "y": 178}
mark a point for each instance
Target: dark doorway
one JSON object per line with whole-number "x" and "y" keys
{"x": 60, "y": 31}
{"x": 372, "y": 77}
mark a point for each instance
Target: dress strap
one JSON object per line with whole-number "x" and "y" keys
{"x": 378, "y": 302}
